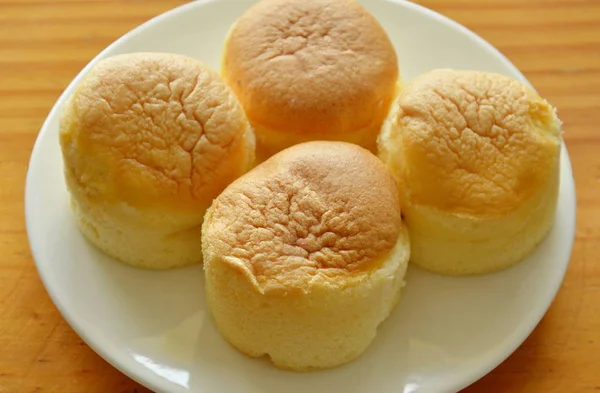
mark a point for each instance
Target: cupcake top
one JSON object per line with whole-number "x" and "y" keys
{"x": 153, "y": 130}
{"x": 318, "y": 213}
{"x": 475, "y": 142}
{"x": 311, "y": 66}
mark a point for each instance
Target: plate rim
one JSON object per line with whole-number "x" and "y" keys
{"x": 158, "y": 384}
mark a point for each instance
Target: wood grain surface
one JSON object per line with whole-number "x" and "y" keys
{"x": 44, "y": 44}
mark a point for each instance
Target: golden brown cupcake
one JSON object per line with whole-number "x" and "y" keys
{"x": 477, "y": 158}
{"x": 304, "y": 256}
{"x": 148, "y": 140}
{"x": 311, "y": 70}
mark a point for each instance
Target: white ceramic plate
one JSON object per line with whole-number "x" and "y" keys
{"x": 154, "y": 326}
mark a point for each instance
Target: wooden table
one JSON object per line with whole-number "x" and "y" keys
{"x": 45, "y": 43}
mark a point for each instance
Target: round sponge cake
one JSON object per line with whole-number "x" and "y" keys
{"x": 304, "y": 256}
{"x": 311, "y": 70}
{"x": 148, "y": 140}
{"x": 477, "y": 156}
